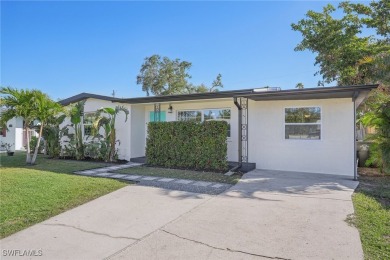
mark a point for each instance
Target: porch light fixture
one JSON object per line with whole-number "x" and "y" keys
{"x": 170, "y": 108}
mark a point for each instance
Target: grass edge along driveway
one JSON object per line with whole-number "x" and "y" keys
{"x": 371, "y": 201}
{"x": 31, "y": 194}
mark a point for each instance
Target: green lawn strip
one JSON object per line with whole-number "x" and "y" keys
{"x": 46, "y": 164}
{"x": 181, "y": 174}
{"x": 372, "y": 210}
{"x": 29, "y": 194}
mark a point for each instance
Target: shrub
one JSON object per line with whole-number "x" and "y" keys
{"x": 188, "y": 145}
{"x": 33, "y": 144}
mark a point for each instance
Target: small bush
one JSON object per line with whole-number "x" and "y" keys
{"x": 188, "y": 145}
{"x": 33, "y": 144}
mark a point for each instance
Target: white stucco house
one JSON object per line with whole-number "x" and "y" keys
{"x": 299, "y": 130}
{"x": 14, "y": 134}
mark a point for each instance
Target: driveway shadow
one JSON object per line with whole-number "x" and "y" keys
{"x": 292, "y": 183}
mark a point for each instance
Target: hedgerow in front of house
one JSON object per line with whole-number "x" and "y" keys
{"x": 188, "y": 145}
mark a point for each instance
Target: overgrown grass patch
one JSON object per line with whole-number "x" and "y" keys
{"x": 372, "y": 216}
{"x": 181, "y": 174}
{"x": 31, "y": 194}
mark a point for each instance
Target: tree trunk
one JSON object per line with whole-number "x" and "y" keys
{"x": 37, "y": 146}
{"x": 28, "y": 155}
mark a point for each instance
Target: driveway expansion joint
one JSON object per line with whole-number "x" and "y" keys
{"x": 91, "y": 232}
{"x": 223, "y": 249}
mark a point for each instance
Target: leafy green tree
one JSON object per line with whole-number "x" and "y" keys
{"x": 339, "y": 44}
{"x": 202, "y": 88}
{"x": 105, "y": 119}
{"x": 163, "y": 76}
{"x": 19, "y": 103}
{"x": 299, "y": 86}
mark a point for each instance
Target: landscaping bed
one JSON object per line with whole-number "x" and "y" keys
{"x": 372, "y": 213}
{"x": 181, "y": 174}
{"x": 31, "y": 194}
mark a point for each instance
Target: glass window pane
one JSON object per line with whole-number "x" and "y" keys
{"x": 216, "y": 114}
{"x": 303, "y": 115}
{"x": 303, "y": 131}
{"x": 189, "y": 116}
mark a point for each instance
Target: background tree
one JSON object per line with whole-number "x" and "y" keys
{"x": 163, "y": 76}
{"x": 339, "y": 44}
{"x": 299, "y": 86}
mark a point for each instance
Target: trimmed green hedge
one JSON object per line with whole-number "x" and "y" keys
{"x": 188, "y": 145}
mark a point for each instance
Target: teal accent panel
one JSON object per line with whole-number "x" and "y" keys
{"x": 163, "y": 116}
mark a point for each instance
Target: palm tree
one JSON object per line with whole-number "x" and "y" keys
{"x": 46, "y": 108}
{"x": 299, "y": 86}
{"x": 105, "y": 118}
{"x": 76, "y": 112}
{"x": 19, "y": 103}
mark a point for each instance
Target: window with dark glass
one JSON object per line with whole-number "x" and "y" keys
{"x": 303, "y": 123}
{"x": 205, "y": 115}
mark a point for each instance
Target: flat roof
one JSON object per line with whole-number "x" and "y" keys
{"x": 312, "y": 93}
{"x": 289, "y": 94}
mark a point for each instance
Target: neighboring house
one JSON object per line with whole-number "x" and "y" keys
{"x": 302, "y": 130}
{"x": 14, "y": 134}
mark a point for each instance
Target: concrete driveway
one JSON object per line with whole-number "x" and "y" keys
{"x": 268, "y": 215}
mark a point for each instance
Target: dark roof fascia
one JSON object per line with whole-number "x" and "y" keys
{"x": 310, "y": 93}
{"x": 289, "y": 94}
{"x": 187, "y": 97}
{"x": 83, "y": 96}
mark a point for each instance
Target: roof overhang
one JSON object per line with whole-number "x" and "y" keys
{"x": 357, "y": 93}
{"x": 83, "y": 96}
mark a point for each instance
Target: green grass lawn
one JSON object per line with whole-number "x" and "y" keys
{"x": 372, "y": 216}
{"x": 31, "y": 194}
{"x": 181, "y": 174}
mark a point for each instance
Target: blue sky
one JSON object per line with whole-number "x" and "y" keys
{"x": 65, "y": 48}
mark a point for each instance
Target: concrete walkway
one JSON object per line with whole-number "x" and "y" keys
{"x": 268, "y": 215}
{"x": 206, "y": 187}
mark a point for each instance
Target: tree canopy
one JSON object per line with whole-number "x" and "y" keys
{"x": 344, "y": 53}
{"x": 163, "y": 76}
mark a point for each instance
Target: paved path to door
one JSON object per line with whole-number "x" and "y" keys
{"x": 205, "y": 187}
{"x": 267, "y": 215}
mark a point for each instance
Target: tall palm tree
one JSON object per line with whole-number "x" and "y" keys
{"x": 105, "y": 118}
{"x": 19, "y": 103}
{"x": 45, "y": 109}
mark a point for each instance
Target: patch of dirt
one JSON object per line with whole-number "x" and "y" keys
{"x": 372, "y": 172}
{"x": 351, "y": 220}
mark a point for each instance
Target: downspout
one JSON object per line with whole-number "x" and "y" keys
{"x": 355, "y": 95}
{"x": 239, "y": 136}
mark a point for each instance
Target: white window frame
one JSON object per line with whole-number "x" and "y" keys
{"x": 317, "y": 123}
{"x": 92, "y": 112}
{"x": 202, "y": 114}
